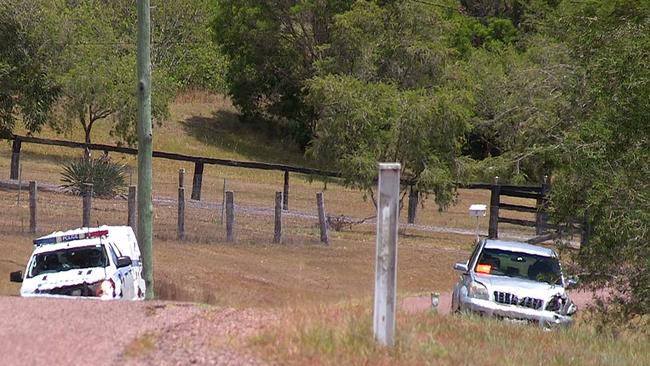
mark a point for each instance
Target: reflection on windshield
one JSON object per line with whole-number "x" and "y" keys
{"x": 66, "y": 259}
{"x": 520, "y": 265}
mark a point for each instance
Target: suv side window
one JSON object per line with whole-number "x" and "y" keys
{"x": 472, "y": 258}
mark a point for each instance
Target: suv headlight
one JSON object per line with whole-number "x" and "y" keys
{"x": 478, "y": 290}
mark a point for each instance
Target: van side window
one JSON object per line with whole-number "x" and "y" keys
{"x": 111, "y": 250}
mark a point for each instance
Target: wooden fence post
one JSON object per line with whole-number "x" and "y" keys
{"x": 33, "y": 212}
{"x": 413, "y": 205}
{"x": 278, "y": 218}
{"x": 223, "y": 201}
{"x": 495, "y": 200}
{"x": 322, "y": 218}
{"x": 541, "y": 217}
{"x": 197, "y": 181}
{"x": 180, "y": 229}
{"x": 386, "y": 252}
{"x": 285, "y": 195}
{"x": 87, "y": 200}
{"x": 131, "y": 218}
{"x": 15, "y": 158}
{"x": 181, "y": 177}
{"x": 230, "y": 217}
{"x": 180, "y": 226}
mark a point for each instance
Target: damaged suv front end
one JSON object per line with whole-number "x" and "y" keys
{"x": 514, "y": 281}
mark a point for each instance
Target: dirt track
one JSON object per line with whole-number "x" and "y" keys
{"x": 85, "y": 332}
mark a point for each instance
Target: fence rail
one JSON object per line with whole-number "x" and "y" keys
{"x": 199, "y": 162}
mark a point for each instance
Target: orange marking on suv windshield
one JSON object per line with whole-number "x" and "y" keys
{"x": 483, "y": 268}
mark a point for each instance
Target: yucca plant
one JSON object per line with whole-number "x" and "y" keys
{"x": 108, "y": 178}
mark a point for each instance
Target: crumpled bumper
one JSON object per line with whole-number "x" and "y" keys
{"x": 546, "y": 319}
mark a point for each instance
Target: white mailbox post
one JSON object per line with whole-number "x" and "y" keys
{"x": 477, "y": 210}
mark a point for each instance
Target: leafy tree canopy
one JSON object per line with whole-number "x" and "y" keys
{"x": 271, "y": 47}
{"x": 96, "y": 70}
{"x": 605, "y": 162}
{"x": 363, "y": 123}
{"x": 27, "y": 90}
{"x": 81, "y": 56}
{"x": 387, "y": 89}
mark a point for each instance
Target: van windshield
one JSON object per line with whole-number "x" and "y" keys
{"x": 67, "y": 259}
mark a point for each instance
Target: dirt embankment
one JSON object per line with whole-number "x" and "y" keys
{"x": 86, "y": 332}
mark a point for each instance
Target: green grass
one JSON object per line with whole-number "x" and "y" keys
{"x": 342, "y": 335}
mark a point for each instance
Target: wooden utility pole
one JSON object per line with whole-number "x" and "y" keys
{"x": 145, "y": 145}
{"x": 87, "y": 195}
{"x": 131, "y": 216}
{"x": 386, "y": 263}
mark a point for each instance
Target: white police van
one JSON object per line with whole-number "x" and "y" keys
{"x": 101, "y": 262}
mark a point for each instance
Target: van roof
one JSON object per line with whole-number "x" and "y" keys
{"x": 85, "y": 236}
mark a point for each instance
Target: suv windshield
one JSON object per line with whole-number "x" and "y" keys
{"x": 66, "y": 259}
{"x": 520, "y": 265}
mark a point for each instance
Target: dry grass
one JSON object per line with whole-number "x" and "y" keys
{"x": 141, "y": 346}
{"x": 342, "y": 335}
{"x": 253, "y": 272}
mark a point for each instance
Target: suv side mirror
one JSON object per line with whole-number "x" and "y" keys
{"x": 16, "y": 276}
{"x": 461, "y": 266}
{"x": 124, "y": 261}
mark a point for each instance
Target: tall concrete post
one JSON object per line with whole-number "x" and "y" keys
{"x": 386, "y": 262}
{"x": 145, "y": 145}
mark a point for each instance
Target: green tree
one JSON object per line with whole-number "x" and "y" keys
{"x": 271, "y": 48}
{"x": 402, "y": 43}
{"x": 605, "y": 162}
{"x": 523, "y": 107}
{"x": 389, "y": 89}
{"x": 95, "y": 68}
{"x": 363, "y": 123}
{"x": 182, "y": 40}
{"x": 27, "y": 90}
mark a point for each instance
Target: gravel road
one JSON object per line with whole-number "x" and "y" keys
{"x": 87, "y": 332}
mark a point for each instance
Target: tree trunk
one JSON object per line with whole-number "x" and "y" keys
{"x": 87, "y": 148}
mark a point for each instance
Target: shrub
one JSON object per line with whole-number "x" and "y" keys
{"x": 108, "y": 178}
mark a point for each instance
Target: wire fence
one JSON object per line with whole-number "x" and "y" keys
{"x": 254, "y": 196}
{"x": 203, "y": 220}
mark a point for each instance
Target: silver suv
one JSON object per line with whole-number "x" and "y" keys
{"x": 514, "y": 281}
